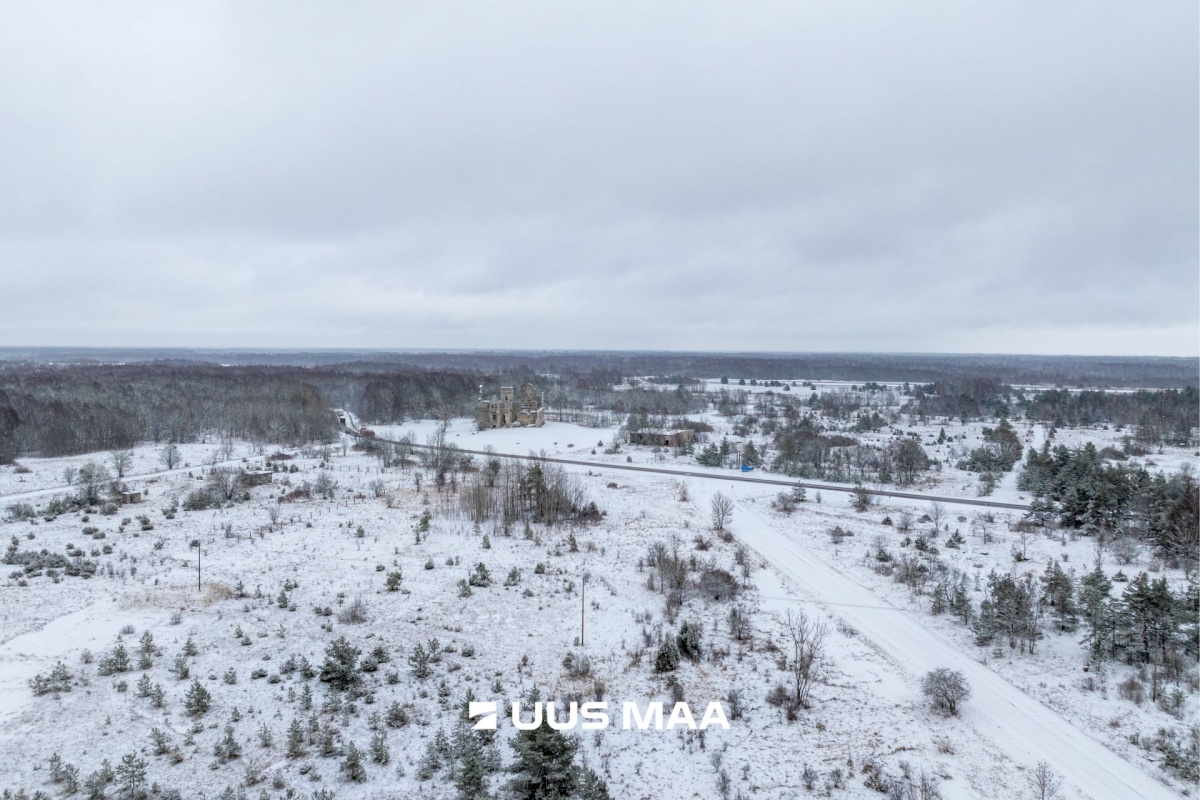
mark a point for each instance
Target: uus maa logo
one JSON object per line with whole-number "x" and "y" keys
{"x": 595, "y": 716}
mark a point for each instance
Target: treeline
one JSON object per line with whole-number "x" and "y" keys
{"x": 1157, "y": 417}
{"x": 1107, "y": 371}
{"x": 54, "y": 411}
{"x": 1160, "y": 416}
{"x": 65, "y": 410}
{"x": 574, "y": 395}
{"x": 1080, "y": 489}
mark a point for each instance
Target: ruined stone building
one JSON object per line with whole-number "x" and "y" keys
{"x": 677, "y": 438}
{"x": 507, "y": 410}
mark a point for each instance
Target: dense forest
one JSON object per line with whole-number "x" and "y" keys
{"x": 62, "y": 410}
{"x": 52, "y": 411}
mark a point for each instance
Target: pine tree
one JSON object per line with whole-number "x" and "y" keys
{"x": 937, "y": 599}
{"x": 131, "y": 776}
{"x": 591, "y": 786}
{"x": 688, "y": 640}
{"x": 340, "y": 669}
{"x": 667, "y": 658}
{"x": 198, "y": 700}
{"x": 419, "y": 661}
{"x": 352, "y": 766}
{"x": 1058, "y": 590}
{"x": 710, "y": 456}
{"x": 480, "y": 577}
{"x": 227, "y": 748}
{"x": 379, "y": 749}
{"x": 750, "y": 455}
{"x": 960, "y": 600}
{"x": 328, "y": 741}
{"x": 295, "y": 740}
{"x": 471, "y": 781}
{"x": 543, "y": 768}
{"x": 161, "y": 742}
{"x": 1098, "y": 612}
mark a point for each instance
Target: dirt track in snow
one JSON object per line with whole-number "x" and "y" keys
{"x": 1000, "y": 712}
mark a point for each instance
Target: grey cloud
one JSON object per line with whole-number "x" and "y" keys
{"x": 992, "y": 177}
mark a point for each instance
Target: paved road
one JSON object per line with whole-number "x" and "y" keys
{"x": 53, "y": 490}
{"x": 1012, "y": 720}
{"x": 741, "y": 477}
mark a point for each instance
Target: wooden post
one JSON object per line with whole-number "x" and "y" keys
{"x": 582, "y": 609}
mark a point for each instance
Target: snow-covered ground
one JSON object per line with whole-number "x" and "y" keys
{"x": 867, "y": 705}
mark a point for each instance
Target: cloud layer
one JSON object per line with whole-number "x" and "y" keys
{"x": 1003, "y": 177}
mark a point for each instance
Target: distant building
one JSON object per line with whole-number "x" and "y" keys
{"x": 256, "y": 477}
{"x": 677, "y": 438}
{"x": 131, "y": 496}
{"x": 507, "y": 411}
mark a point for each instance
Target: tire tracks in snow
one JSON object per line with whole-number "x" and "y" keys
{"x": 1002, "y": 714}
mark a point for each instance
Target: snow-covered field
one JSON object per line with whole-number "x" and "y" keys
{"x": 328, "y": 553}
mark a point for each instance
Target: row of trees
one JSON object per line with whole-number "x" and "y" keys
{"x": 531, "y": 492}
{"x": 1157, "y": 417}
{"x": 803, "y": 451}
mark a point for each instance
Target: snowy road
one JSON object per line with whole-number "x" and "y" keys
{"x": 50, "y": 491}
{"x": 740, "y": 477}
{"x": 1015, "y": 722}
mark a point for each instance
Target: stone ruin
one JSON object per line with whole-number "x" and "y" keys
{"x": 508, "y": 411}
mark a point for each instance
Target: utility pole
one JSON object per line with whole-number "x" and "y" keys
{"x": 582, "y": 608}
{"x": 197, "y": 567}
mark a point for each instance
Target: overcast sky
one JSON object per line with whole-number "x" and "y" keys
{"x": 949, "y": 177}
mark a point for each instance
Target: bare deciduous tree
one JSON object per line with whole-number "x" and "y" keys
{"x": 225, "y": 481}
{"x": 722, "y": 511}
{"x": 121, "y": 461}
{"x": 1023, "y": 536}
{"x": 92, "y": 478}
{"x": 807, "y": 637}
{"x": 170, "y": 456}
{"x": 981, "y": 528}
{"x": 946, "y": 688}
{"x": 937, "y": 514}
{"x": 1045, "y": 782}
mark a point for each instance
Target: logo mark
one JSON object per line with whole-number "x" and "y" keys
{"x": 486, "y": 710}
